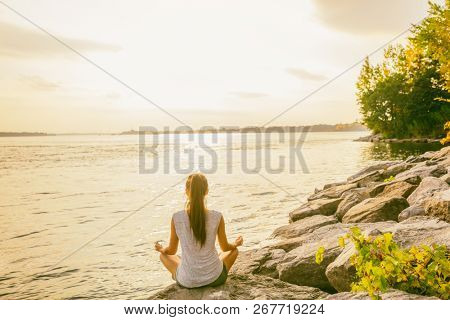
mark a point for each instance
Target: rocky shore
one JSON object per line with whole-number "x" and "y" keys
{"x": 379, "y": 138}
{"x": 410, "y": 199}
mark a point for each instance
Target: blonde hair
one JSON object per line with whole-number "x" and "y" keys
{"x": 196, "y": 190}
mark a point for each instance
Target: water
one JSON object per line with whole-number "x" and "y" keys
{"x": 68, "y": 226}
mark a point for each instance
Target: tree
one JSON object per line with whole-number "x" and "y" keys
{"x": 407, "y": 94}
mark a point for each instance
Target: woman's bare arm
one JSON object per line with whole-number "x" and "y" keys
{"x": 172, "y": 248}
{"x": 222, "y": 237}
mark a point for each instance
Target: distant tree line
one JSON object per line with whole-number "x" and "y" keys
{"x": 407, "y": 94}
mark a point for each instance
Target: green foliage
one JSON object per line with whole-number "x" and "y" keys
{"x": 389, "y": 179}
{"x": 381, "y": 264}
{"x": 407, "y": 94}
{"x": 433, "y": 37}
{"x": 319, "y": 255}
{"x": 446, "y": 139}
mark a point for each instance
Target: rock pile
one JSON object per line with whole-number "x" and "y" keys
{"x": 413, "y": 206}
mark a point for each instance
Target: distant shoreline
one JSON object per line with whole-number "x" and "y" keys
{"x": 347, "y": 127}
{"x": 24, "y": 134}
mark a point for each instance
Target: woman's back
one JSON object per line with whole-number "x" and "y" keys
{"x": 200, "y": 265}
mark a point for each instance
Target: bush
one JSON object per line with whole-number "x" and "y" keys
{"x": 446, "y": 139}
{"x": 381, "y": 264}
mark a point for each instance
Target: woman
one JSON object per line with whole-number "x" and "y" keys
{"x": 196, "y": 228}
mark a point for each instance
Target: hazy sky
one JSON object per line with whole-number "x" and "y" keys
{"x": 206, "y": 62}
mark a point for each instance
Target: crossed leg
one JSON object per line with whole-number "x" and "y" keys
{"x": 171, "y": 263}
{"x": 229, "y": 257}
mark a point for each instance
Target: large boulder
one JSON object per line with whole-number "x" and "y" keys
{"x": 367, "y": 179}
{"x": 324, "y": 207}
{"x": 371, "y": 169}
{"x": 391, "y": 294}
{"x": 333, "y": 192}
{"x": 349, "y": 200}
{"x": 375, "y": 210}
{"x": 439, "y": 205}
{"x": 341, "y": 273}
{"x": 259, "y": 261}
{"x": 395, "y": 169}
{"x": 398, "y": 189}
{"x": 442, "y": 154}
{"x": 422, "y": 171}
{"x": 392, "y": 188}
{"x": 420, "y": 230}
{"x": 299, "y": 265}
{"x": 303, "y": 226}
{"x": 426, "y": 189}
{"x": 243, "y": 287}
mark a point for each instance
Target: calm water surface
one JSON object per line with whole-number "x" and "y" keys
{"x": 63, "y": 196}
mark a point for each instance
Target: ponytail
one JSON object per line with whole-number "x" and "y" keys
{"x": 196, "y": 189}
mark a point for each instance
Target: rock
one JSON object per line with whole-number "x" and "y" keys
{"x": 446, "y": 177}
{"x": 349, "y": 200}
{"x": 303, "y": 226}
{"x": 341, "y": 273}
{"x": 368, "y": 178}
{"x": 398, "y": 189}
{"x": 299, "y": 265}
{"x": 420, "y": 230}
{"x": 439, "y": 205}
{"x": 324, "y": 207}
{"x": 395, "y": 169}
{"x": 333, "y": 192}
{"x": 411, "y": 212}
{"x": 371, "y": 169}
{"x": 391, "y": 294}
{"x": 259, "y": 261}
{"x": 441, "y": 154}
{"x": 426, "y": 189}
{"x": 413, "y": 159}
{"x": 376, "y": 209}
{"x": 288, "y": 244}
{"x": 243, "y": 287}
{"x": 422, "y": 171}
{"x": 334, "y": 184}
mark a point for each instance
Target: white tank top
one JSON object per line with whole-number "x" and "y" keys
{"x": 199, "y": 265}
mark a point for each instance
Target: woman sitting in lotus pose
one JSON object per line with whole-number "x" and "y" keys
{"x": 196, "y": 228}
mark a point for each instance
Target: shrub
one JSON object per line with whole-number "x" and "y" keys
{"x": 446, "y": 139}
{"x": 381, "y": 264}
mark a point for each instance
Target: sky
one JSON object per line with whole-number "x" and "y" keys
{"x": 206, "y": 63}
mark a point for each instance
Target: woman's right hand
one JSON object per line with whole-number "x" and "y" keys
{"x": 239, "y": 241}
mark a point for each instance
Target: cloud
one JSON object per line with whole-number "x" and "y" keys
{"x": 305, "y": 74}
{"x": 248, "y": 95}
{"x": 363, "y": 17}
{"x": 38, "y": 83}
{"x": 19, "y": 42}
